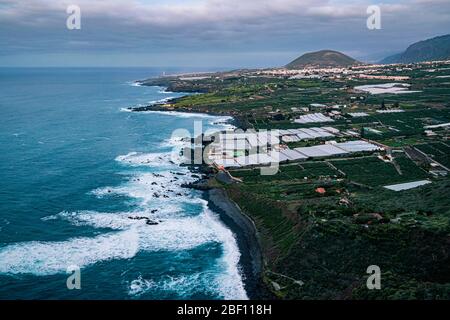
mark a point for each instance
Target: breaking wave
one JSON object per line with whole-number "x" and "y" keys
{"x": 47, "y": 258}
{"x": 179, "y": 220}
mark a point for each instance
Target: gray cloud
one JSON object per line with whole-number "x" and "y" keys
{"x": 219, "y": 31}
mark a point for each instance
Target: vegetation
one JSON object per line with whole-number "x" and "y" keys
{"x": 327, "y": 241}
{"x": 373, "y": 172}
{"x": 322, "y": 223}
{"x": 438, "y": 151}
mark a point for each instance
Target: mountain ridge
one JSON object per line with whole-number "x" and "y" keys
{"x": 437, "y": 48}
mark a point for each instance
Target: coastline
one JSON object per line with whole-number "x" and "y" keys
{"x": 159, "y": 106}
{"x": 251, "y": 259}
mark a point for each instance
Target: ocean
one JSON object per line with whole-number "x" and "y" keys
{"x": 78, "y": 176}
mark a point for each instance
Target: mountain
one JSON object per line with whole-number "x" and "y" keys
{"x": 324, "y": 58}
{"x": 428, "y": 50}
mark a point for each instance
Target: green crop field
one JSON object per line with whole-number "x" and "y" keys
{"x": 373, "y": 172}
{"x": 438, "y": 151}
{"x": 323, "y": 222}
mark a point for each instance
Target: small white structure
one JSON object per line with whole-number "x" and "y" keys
{"x": 357, "y": 146}
{"x": 407, "y": 186}
{"x": 358, "y": 114}
{"x": 391, "y": 111}
{"x": 313, "y": 118}
{"x": 443, "y": 125}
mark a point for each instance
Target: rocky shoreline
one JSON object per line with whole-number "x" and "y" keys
{"x": 251, "y": 260}
{"x": 234, "y": 121}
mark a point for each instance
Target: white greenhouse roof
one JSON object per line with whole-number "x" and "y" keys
{"x": 357, "y": 146}
{"x": 407, "y": 186}
{"x": 358, "y": 114}
{"x": 324, "y": 150}
{"x": 312, "y": 118}
{"x": 254, "y": 159}
{"x": 331, "y": 129}
{"x": 290, "y": 155}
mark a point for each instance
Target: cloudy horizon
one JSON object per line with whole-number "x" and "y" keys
{"x": 209, "y": 33}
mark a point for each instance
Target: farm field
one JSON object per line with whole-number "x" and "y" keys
{"x": 303, "y": 227}
{"x": 438, "y": 151}
{"x": 373, "y": 172}
{"x": 322, "y": 222}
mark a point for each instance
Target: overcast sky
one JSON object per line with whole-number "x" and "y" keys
{"x": 209, "y": 33}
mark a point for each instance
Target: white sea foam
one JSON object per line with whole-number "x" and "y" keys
{"x": 144, "y": 189}
{"x": 141, "y": 286}
{"x": 135, "y": 84}
{"x": 164, "y": 91}
{"x": 150, "y": 159}
{"x": 181, "y": 114}
{"x": 46, "y": 258}
{"x": 160, "y": 101}
{"x": 120, "y": 220}
{"x": 228, "y": 284}
{"x": 184, "y": 285}
{"x": 177, "y": 142}
{"x": 163, "y": 200}
{"x": 219, "y": 122}
{"x": 115, "y": 221}
{"x": 171, "y": 235}
{"x": 229, "y": 281}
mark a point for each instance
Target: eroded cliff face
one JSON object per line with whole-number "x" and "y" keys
{"x": 318, "y": 248}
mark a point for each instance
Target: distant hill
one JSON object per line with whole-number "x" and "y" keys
{"x": 432, "y": 49}
{"x": 324, "y": 58}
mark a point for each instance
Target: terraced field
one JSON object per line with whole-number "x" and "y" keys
{"x": 438, "y": 151}
{"x": 323, "y": 222}
{"x": 373, "y": 172}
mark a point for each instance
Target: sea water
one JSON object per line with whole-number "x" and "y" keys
{"x": 76, "y": 168}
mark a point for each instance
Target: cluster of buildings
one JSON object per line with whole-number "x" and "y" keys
{"x": 366, "y": 72}
{"x": 306, "y": 73}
